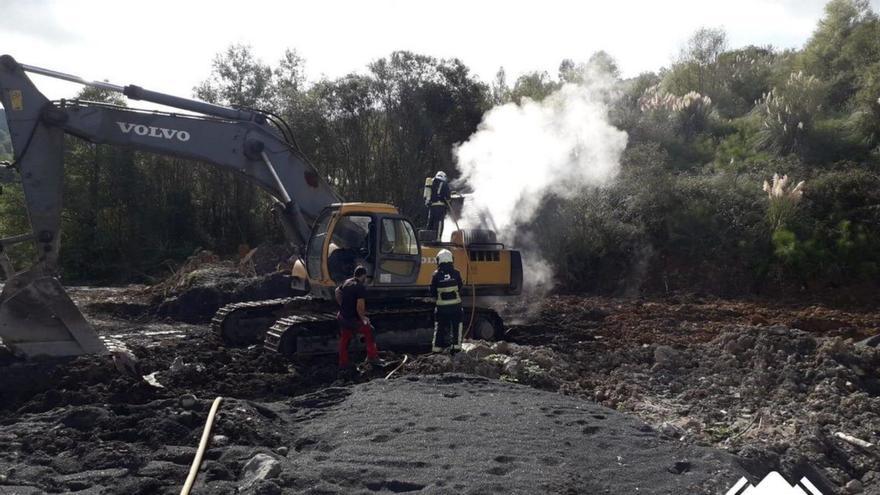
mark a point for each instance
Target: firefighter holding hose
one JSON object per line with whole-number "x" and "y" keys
{"x": 446, "y": 285}
{"x": 437, "y": 196}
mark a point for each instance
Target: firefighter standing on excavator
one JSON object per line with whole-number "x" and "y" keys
{"x": 446, "y": 285}
{"x": 436, "y": 198}
{"x": 352, "y": 317}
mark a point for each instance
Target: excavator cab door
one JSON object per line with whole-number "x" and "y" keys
{"x": 398, "y": 255}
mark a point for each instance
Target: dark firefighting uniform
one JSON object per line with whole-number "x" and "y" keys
{"x": 436, "y": 196}
{"x": 446, "y": 288}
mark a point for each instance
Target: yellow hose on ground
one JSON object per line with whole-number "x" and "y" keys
{"x": 197, "y": 462}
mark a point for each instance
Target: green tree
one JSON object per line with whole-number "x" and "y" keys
{"x": 236, "y": 209}
{"x": 534, "y": 85}
{"x": 696, "y": 68}
{"x": 238, "y": 79}
{"x": 846, "y": 42}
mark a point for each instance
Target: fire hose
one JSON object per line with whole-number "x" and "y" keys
{"x": 473, "y": 291}
{"x": 473, "y": 283}
{"x": 197, "y": 461}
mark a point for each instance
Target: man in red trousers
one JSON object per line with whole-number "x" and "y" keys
{"x": 351, "y": 297}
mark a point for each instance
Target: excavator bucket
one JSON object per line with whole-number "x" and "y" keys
{"x": 38, "y": 318}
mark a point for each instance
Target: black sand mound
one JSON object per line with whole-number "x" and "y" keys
{"x": 446, "y": 433}
{"x": 465, "y": 434}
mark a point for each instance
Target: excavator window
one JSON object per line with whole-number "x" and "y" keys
{"x": 398, "y": 237}
{"x": 398, "y": 252}
{"x": 349, "y": 246}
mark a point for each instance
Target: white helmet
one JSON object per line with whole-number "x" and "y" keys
{"x": 441, "y": 175}
{"x": 444, "y": 256}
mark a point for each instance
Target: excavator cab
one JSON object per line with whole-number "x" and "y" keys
{"x": 372, "y": 235}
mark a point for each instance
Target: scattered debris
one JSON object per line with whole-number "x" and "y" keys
{"x": 259, "y": 467}
{"x": 853, "y": 440}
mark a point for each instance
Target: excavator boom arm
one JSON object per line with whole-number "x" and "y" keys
{"x": 36, "y": 316}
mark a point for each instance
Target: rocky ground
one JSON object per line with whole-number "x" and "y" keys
{"x": 587, "y": 395}
{"x": 773, "y": 383}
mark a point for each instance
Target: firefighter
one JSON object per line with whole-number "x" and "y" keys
{"x": 446, "y": 288}
{"x": 436, "y": 197}
{"x": 352, "y": 317}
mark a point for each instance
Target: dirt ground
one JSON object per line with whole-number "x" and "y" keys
{"x": 696, "y": 392}
{"x": 773, "y": 383}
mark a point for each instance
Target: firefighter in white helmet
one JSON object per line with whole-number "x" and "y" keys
{"x": 446, "y": 285}
{"x": 436, "y": 197}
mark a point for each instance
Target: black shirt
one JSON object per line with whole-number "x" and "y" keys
{"x": 352, "y": 290}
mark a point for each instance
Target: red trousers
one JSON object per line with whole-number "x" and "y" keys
{"x": 347, "y": 329}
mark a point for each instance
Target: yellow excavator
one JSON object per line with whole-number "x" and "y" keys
{"x": 38, "y": 318}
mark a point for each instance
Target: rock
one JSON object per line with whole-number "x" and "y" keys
{"x": 265, "y": 487}
{"x": 219, "y": 440}
{"x": 464, "y": 362}
{"x": 477, "y": 350}
{"x": 488, "y": 369}
{"x": 758, "y": 320}
{"x": 94, "y": 475}
{"x": 163, "y": 470}
{"x": 680, "y": 467}
{"x": 187, "y": 418}
{"x": 177, "y": 365}
{"x": 282, "y": 451}
{"x": 501, "y": 347}
{"x": 139, "y": 486}
{"x": 817, "y": 324}
{"x": 544, "y": 358}
{"x": 670, "y": 430}
{"x": 666, "y": 357}
{"x": 738, "y": 344}
{"x": 436, "y": 363}
{"x": 871, "y": 478}
{"x": 84, "y": 418}
{"x": 79, "y": 485}
{"x": 216, "y": 471}
{"x": 513, "y": 368}
{"x": 22, "y": 490}
{"x": 854, "y": 486}
{"x": 177, "y": 454}
{"x": 187, "y": 401}
{"x": 259, "y": 467}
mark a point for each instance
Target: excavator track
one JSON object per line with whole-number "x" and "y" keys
{"x": 245, "y": 323}
{"x": 398, "y": 327}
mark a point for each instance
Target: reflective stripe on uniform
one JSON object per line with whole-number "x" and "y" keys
{"x": 456, "y": 299}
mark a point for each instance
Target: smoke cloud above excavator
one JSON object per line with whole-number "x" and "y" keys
{"x": 525, "y": 151}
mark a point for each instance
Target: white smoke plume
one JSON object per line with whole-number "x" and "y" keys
{"x": 523, "y": 152}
